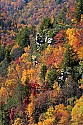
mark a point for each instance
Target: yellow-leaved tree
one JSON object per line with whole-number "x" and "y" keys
{"x": 72, "y": 37}
{"x": 3, "y": 95}
{"x": 80, "y": 52}
{"x": 77, "y": 112}
{"x": 18, "y": 121}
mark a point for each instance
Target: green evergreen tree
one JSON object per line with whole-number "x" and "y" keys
{"x": 46, "y": 24}
{"x": 70, "y": 62}
{"x": 7, "y": 54}
{"x": 43, "y": 71}
{"x": 23, "y": 37}
{"x": 51, "y": 77}
{"x": 70, "y": 57}
{"x": 2, "y": 53}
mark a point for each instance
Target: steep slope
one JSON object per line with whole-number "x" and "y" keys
{"x": 15, "y": 14}
{"x": 34, "y": 10}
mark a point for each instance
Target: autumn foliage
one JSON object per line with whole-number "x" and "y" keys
{"x": 41, "y": 83}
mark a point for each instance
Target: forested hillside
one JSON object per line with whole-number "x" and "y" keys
{"x": 41, "y": 62}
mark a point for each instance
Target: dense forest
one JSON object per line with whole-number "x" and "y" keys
{"x": 41, "y": 62}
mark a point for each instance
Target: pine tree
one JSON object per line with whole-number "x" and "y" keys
{"x": 51, "y": 76}
{"x": 43, "y": 71}
{"x": 23, "y": 37}
{"x": 70, "y": 57}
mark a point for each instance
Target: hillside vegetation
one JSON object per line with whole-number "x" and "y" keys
{"x": 41, "y": 62}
